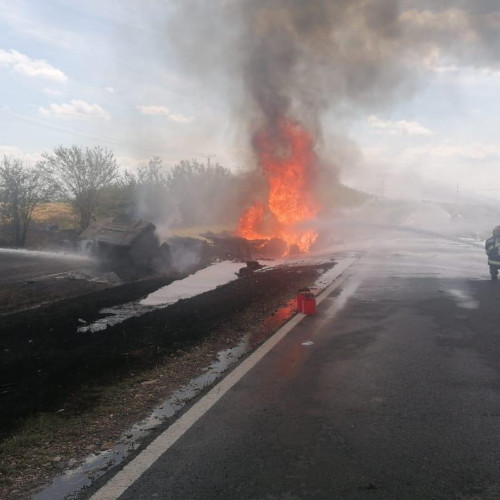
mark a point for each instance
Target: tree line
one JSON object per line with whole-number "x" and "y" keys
{"x": 90, "y": 180}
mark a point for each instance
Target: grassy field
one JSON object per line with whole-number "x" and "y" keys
{"x": 58, "y": 213}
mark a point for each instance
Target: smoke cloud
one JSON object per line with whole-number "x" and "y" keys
{"x": 323, "y": 61}
{"x": 292, "y": 57}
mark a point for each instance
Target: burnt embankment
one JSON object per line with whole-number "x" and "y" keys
{"x": 44, "y": 360}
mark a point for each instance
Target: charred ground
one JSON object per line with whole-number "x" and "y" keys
{"x": 43, "y": 359}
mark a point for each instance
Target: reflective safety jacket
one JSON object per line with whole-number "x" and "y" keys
{"x": 492, "y": 247}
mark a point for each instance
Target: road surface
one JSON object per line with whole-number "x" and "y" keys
{"x": 391, "y": 391}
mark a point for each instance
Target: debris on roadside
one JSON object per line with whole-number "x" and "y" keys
{"x": 252, "y": 265}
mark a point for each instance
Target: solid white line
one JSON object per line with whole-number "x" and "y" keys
{"x": 118, "y": 484}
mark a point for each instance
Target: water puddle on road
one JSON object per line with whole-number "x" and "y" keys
{"x": 117, "y": 315}
{"x": 463, "y": 299}
{"x": 70, "y": 483}
{"x": 201, "y": 281}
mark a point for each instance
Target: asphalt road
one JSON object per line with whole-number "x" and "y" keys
{"x": 397, "y": 397}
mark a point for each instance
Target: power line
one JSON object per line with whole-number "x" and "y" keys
{"x": 40, "y": 123}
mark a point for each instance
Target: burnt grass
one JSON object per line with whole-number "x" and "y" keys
{"x": 44, "y": 360}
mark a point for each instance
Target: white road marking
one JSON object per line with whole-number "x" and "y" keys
{"x": 118, "y": 484}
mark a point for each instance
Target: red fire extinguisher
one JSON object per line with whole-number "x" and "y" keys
{"x": 309, "y": 304}
{"x": 301, "y": 295}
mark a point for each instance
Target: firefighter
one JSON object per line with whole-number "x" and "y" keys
{"x": 492, "y": 247}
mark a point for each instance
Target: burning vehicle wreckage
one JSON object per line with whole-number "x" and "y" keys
{"x": 132, "y": 249}
{"x": 275, "y": 224}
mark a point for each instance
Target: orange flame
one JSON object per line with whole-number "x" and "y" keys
{"x": 286, "y": 155}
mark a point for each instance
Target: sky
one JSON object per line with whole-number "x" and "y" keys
{"x": 109, "y": 73}
{"x": 93, "y": 73}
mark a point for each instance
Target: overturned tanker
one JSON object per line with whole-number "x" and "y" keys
{"x": 131, "y": 248}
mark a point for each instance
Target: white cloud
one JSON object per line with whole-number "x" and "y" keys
{"x": 397, "y": 128}
{"x": 445, "y": 153}
{"x": 51, "y": 92}
{"x": 33, "y": 68}
{"x": 471, "y": 152}
{"x": 450, "y": 68}
{"x": 75, "y": 110}
{"x": 17, "y": 152}
{"x": 153, "y": 110}
{"x": 10, "y": 151}
{"x": 452, "y": 21}
{"x": 131, "y": 163}
{"x": 181, "y": 118}
{"x": 164, "y": 111}
{"x": 111, "y": 90}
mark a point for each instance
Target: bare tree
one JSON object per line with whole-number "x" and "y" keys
{"x": 80, "y": 175}
{"x": 154, "y": 174}
{"x": 201, "y": 193}
{"x": 151, "y": 189}
{"x": 21, "y": 189}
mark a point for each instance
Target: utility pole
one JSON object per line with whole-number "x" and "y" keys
{"x": 208, "y": 159}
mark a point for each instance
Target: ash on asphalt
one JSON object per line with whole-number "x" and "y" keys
{"x": 43, "y": 359}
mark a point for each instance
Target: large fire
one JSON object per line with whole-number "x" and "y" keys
{"x": 286, "y": 155}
